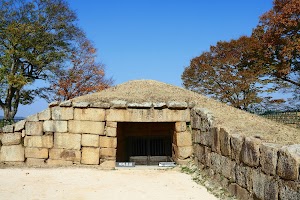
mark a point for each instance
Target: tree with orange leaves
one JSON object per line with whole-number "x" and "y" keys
{"x": 83, "y": 75}
{"x": 279, "y": 36}
{"x": 225, "y": 73}
{"x": 234, "y": 72}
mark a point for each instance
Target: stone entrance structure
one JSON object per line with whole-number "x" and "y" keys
{"x": 101, "y": 133}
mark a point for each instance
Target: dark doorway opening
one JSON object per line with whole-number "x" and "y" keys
{"x": 144, "y": 143}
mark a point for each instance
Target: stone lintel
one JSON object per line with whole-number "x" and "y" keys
{"x": 148, "y": 115}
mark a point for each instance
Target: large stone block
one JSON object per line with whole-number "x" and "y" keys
{"x": 108, "y": 164}
{"x": 195, "y": 120}
{"x": 268, "y": 157}
{"x": 98, "y": 104}
{"x": 224, "y": 142}
{"x": 65, "y": 154}
{"x": 159, "y": 105}
{"x": 86, "y": 127}
{"x": 243, "y": 176}
{"x": 236, "y": 141}
{"x": 223, "y": 165}
{"x": 220, "y": 179}
{"x": 258, "y": 185}
{"x": 89, "y": 140}
{"x": 199, "y": 153}
{"x": 250, "y": 151}
{"x": 228, "y": 168}
{"x": 118, "y": 104}
{"x": 62, "y": 113}
{"x": 67, "y": 141}
{"x": 183, "y": 152}
{"x": 264, "y": 187}
{"x": 206, "y": 138}
{"x": 52, "y": 162}
{"x": 34, "y": 128}
{"x": 215, "y": 146}
{"x": 140, "y": 105}
{"x": 242, "y": 193}
{"x": 289, "y": 190}
{"x": 11, "y": 138}
{"x": 35, "y": 162}
{"x": 81, "y": 104}
{"x": 20, "y": 125}
{"x": 239, "y": 192}
{"x": 180, "y": 126}
{"x": 177, "y": 105}
{"x": 36, "y": 152}
{"x": 8, "y": 129}
{"x": 45, "y": 115}
{"x": 289, "y": 162}
{"x": 44, "y": 141}
{"x": 112, "y": 124}
{"x": 111, "y": 132}
{"x": 216, "y": 162}
{"x": 67, "y": 103}
{"x": 33, "y": 118}
{"x": 183, "y": 139}
{"x": 89, "y": 114}
{"x": 207, "y": 155}
{"x": 13, "y": 153}
{"x": 196, "y": 136}
{"x": 108, "y": 152}
{"x": 147, "y": 115}
{"x": 55, "y": 126}
{"x": 90, "y": 156}
{"x": 108, "y": 142}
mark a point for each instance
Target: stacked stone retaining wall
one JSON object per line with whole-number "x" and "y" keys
{"x": 246, "y": 166}
{"x": 61, "y": 135}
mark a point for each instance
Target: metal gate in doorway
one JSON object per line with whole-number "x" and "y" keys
{"x": 149, "y": 150}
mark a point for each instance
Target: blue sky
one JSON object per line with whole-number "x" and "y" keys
{"x": 156, "y": 39}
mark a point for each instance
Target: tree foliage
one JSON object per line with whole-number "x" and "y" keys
{"x": 82, "y": 76}
{"x": 35, "y": 38}
{"x": 236, "y": 72}
{"x": 279, "y": 35}
{"x": 225, "y": 73}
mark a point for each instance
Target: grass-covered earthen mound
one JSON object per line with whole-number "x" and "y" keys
{"x": 232, "y": 119}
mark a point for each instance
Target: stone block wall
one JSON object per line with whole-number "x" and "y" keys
{"x": 246, "y": 166}
{"x": 81, "y": 133}
{"x": 182, "y": 143}
{"x": 61, "y": 135}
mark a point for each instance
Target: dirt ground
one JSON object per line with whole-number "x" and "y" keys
{"x": 90, "y": 183}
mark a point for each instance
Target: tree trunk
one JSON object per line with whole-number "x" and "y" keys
{"x": 10, "y": 106}
{"x": 9, "y": 114}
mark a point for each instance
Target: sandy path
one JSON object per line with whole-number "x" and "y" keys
{"x": 80, "y": 184}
